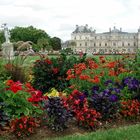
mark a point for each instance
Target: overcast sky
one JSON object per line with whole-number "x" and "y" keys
{"x": 59, "y": 17}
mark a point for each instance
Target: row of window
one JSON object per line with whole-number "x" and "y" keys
{"x": 105, "y": 37}
{"x": 113, "y": 50}
{"x": 106, "y": 44}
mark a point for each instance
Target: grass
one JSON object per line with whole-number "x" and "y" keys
{"x": 122, "y": 133}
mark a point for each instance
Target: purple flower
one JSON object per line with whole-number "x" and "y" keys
{"x": 95, "y": 89}
{"x": 108, "y": 82}
{"x": 106, "y": 92}
{"x": 113, "y": 98}
{"x": 86, "y": 93}
{"x": 131, "y": 82}
{"x": 117, "y": 90}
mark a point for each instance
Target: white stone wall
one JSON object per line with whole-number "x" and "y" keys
{"x": 110, "y": 42}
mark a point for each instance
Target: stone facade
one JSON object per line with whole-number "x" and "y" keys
{"x": 114, "y": 41}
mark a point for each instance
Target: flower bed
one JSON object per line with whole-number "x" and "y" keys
{"x": 94, "y": 93}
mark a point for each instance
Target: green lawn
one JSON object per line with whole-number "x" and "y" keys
{"x": 122, "y": 133}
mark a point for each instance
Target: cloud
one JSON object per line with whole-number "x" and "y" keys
{"x": 59, "y": 18}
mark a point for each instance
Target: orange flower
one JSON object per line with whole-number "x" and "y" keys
{"x": 111, "y": 64}
{"x": 9, "y": 82}
{"x": 70, "y": 77}
{"x": 112, "y": 73}
{"x": 69, "y": 72}
{"x": 96, "y": 79}
{"x": 84, "y": 77}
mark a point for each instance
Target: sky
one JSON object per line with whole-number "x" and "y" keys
{"x": 59, "y": 17}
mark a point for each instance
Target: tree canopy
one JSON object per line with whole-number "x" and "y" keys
{"x": 55, "y": 42}
{"x": 39, "y": 38}
{"x": 27, "y": 34}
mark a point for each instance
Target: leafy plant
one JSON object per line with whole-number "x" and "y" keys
{"x": 24, "y": 126}
{"x": 130, "y": 109}
{"x": 4, "y": 118}
{"x": 106, "y": 102}
{"x": 51, "y": 73}
{"x": 56, "y": 114}
{"x": 16, "y": 100}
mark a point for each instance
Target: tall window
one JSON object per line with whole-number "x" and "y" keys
{"x": 128, "y": 44}
{"x": 94, "y": 44}
{"x": 134, "y": 44}
{"x": 114, "y": 44}
{"x": 105, "y": 44}
{"x": 80, "y": 44}
{"x": 99, "y": 44}
{"x": 122, "y": 43}
{"x": 85, "y": 43}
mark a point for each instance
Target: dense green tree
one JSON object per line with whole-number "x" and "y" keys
{"x": 27, "y": 34}
{"x": 2, "y": 39}
{"x": 43, "y": 43}
{"x": 55, "y": 42}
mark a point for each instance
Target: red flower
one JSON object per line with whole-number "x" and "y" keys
{"x": 111, "y": 64}
{"x": 15, "y": 86}
{"x": 55, "y": 70}
{"x": 20, "y": 126}
{"x": 48, "y": 61}
{"x": 9, "y": 82}
{"x": 84, "y": 77}
{"x": 96, "y": 79}
{"x": 112, "y": 73}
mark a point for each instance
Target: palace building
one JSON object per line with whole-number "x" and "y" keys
{"x": 115, "y": 41}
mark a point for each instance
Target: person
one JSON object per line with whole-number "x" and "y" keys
{"x": 6, "y": 33}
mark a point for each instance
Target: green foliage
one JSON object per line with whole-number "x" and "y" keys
{"x": 16, "y": 70}
{"x": 27, "y": 34}
{"x": 67, "y": 51}
{"x": 51, "y": 73}
{"x": 4, "y": 75}
{"x": 2, "y": 39}
{"x": 133, "y": 64}
{"x": 43, "y": 43}
{"x": 55, "y": 42}
{"x": 17, "y": 103}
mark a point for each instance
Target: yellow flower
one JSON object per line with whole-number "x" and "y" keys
{"x": 53, "y": 93}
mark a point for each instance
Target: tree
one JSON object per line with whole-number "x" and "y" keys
{"x": 27, "y": 34}
{"x": 2, "y": 39}
{"x": 43, "y": 43}
{"x": 55, "y": 42}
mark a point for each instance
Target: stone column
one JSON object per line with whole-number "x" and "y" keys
{"x": 7, "y": 51}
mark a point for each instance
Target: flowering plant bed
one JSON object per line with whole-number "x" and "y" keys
{"x": 95, "y": 94}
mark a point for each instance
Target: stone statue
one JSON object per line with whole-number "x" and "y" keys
{"x": 7, "y": 46}
{"x": 6, "y": 33}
